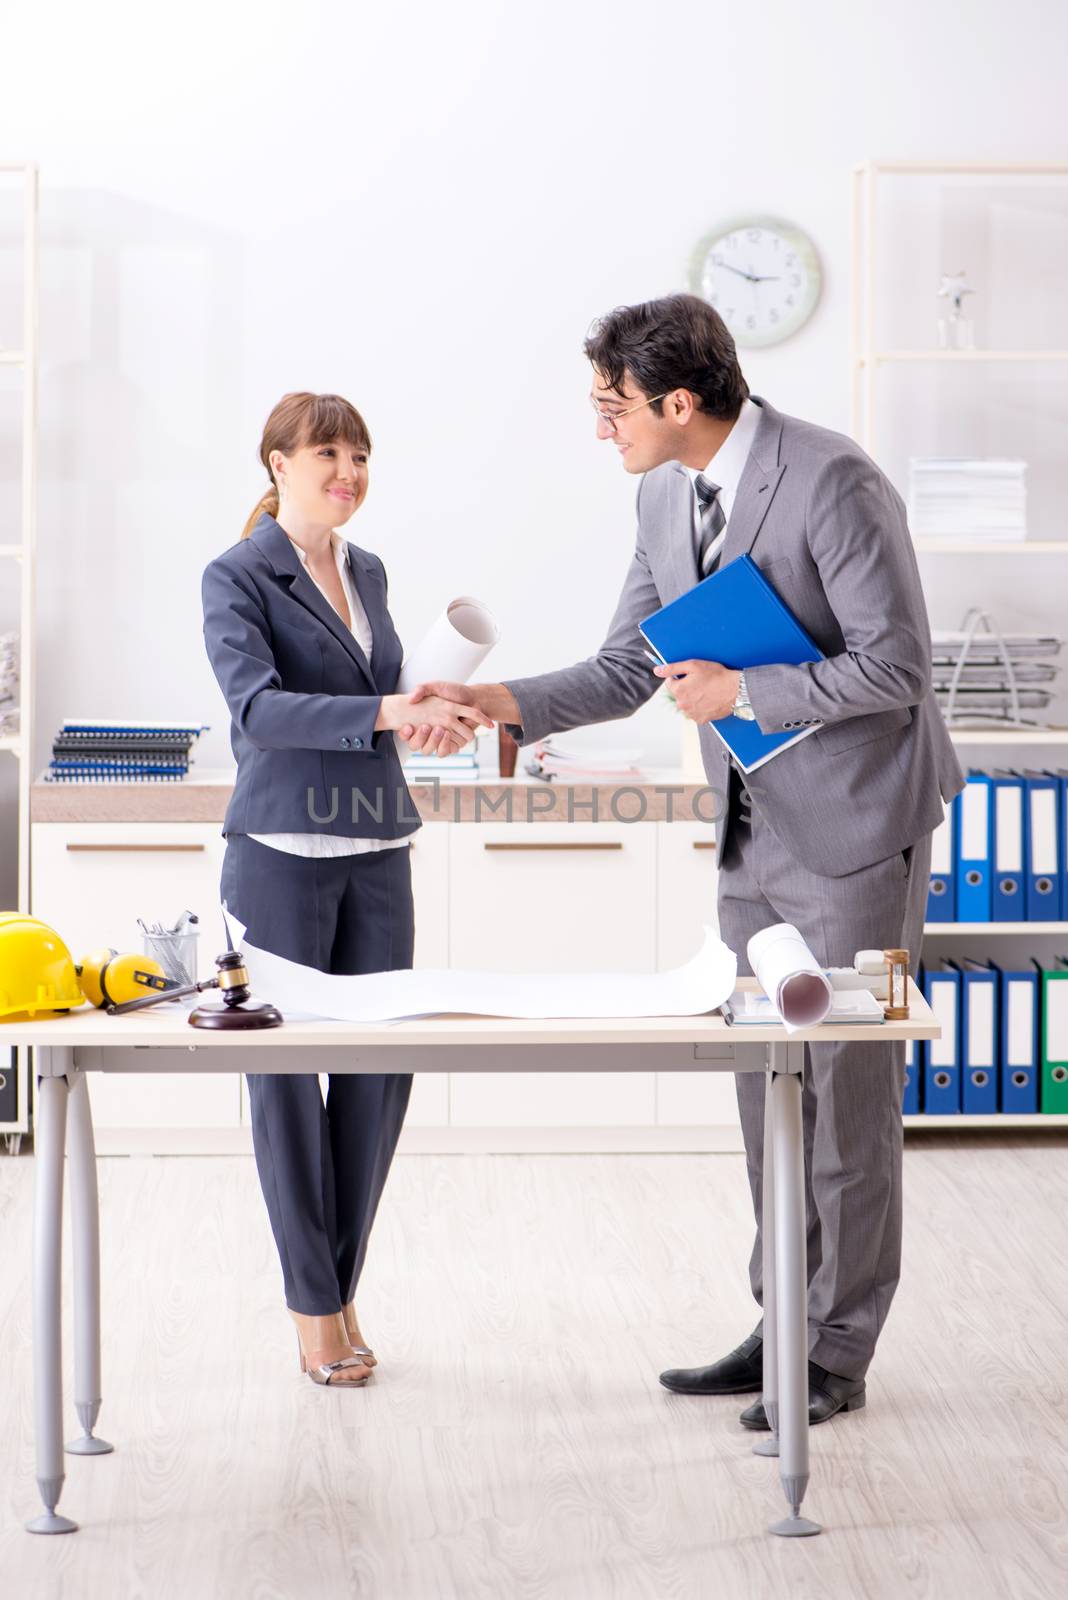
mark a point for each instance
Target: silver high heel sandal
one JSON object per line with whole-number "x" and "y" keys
{"x": 326, "y": 1333}
{"x": 323, "y": 1373}
{"x": 360, "y": 1349}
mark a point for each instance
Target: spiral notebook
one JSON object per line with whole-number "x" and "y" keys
{"x": 92, "y": 750}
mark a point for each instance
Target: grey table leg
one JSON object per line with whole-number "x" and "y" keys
{"x": 85, "y": 1234}
{"x": 769, "y": 1446}
{"x": 50, "y": 1130}
{"x": 791, "y": 1285}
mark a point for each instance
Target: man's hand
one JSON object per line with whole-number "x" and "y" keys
{"x": 705, "y": 692}
{"x": 424, "y": 739}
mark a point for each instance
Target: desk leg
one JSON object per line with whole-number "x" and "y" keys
{"x": 791, "y": 1284}
{"x": 85, "y": 1234}
{"x": 50, "y": 1130}
{"x": 769, "y": 1446}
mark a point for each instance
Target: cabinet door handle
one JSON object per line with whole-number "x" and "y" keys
{"x": 565, "y": 844}
{"x": 704, "y": 844}
{"x": 128, "y": 847}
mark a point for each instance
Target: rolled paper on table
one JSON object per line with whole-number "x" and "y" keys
{"x": 790, "y": 976}
{"x": 696, "y": 988}
{"x": 454, "y": 648}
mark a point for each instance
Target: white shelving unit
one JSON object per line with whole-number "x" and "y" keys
{"x": 18, "y": 563}
{"x": 1036, "y": 929}
{"x": 867, "y": 357}
{"x": 965, "y": 1124}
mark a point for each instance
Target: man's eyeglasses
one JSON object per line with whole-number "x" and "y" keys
{"x": 610, "y": 418}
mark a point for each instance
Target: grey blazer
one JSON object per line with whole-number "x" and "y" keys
{"x": 303, "y": 697}
{"x": 829, "y": 531}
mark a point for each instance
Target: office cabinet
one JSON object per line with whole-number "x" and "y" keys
{"x": 505, "y": 896}
{"x": 91, "y": 882}
{"x": 685, "y": 904}
{"x": 429, "y": 849}
{"x": 552, "y": 897}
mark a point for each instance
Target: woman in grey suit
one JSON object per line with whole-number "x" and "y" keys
{"x": 316, "y": 866}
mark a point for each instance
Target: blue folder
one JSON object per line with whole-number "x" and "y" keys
{"x": 941, "y": 888}
{"x": 1062, "y": 838}
{"x": 974, "y": 831}
{"x": 979, "y": 1037}
{"x": 1019, "y": 1040}
{"x": 736, "y": 618}
{"x": 1009, "y": 897}
{"x": 941, "y": 1057}
{"x": 1043, "y": 853}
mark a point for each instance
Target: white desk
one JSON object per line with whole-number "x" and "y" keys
{"x": 160, "y": 1040}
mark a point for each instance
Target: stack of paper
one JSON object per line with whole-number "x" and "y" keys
{"x": 970, "y": 500}
{"x": 478, "y": 759}
{"x": 9, "y": 683}
{"x": 555, "y": 762}
{"x": 464, "y": 763}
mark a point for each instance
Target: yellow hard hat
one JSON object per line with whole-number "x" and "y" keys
{"x": 37, "y": 975}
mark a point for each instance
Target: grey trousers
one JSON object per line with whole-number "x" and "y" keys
{"x": 852, "y": 1092}
{"x": 322, "y": 1167}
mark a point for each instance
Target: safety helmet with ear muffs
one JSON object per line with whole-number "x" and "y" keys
{"x": 108, "y": 978}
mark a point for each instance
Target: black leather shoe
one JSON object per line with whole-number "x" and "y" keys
{"x": 742, "y": 1372}
{"x": 827, "y": 1395}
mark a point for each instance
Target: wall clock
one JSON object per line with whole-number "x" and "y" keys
{"x": 762, "y": 275}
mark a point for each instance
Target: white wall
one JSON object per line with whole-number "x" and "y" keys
{"x": 423, "y": 207}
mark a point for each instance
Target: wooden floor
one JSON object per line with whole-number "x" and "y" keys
{"x": 515, "y": 1442}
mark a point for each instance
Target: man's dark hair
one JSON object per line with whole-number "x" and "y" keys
{"x": 678, "y": 342}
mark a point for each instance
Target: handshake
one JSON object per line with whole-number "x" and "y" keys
{"x": 440, "y": 718}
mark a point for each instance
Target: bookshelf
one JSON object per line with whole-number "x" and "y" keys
{"x": 17, "y": 566}
{"x": 872, "y": 357}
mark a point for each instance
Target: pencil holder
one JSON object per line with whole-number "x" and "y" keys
{"x": 175, "y": 952}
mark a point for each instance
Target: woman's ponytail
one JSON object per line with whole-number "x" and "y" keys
{"x": 269, "y": 503}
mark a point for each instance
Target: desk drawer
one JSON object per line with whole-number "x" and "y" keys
{"x": 91, "y": 881}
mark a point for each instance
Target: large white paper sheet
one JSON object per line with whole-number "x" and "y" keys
{"x": 699, "y": 986}
{"x": 454, "y": 648}
{"x": 790, "y": 976}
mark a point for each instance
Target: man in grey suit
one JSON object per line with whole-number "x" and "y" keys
{"x": 834, "y": 834}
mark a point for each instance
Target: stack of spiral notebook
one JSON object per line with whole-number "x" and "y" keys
{"x": 90, "y": 751}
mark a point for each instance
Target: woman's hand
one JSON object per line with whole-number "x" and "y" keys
{"x": 421, "y": 736}
{"x": 445, "y": 725}
{"x": 493, "y": 700}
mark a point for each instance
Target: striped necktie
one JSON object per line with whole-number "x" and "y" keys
{"x": 712, "y": 524}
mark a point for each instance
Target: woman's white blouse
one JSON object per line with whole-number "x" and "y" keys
{"x": 328, "y": 844}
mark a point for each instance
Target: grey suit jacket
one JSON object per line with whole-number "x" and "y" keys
{"x": 303, "y": 697}
{"x": 829, "y": 531}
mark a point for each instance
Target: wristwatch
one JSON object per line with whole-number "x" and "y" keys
{"x": 741, "y": 707}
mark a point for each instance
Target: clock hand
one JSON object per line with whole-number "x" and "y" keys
{"x": 738, "y": 270}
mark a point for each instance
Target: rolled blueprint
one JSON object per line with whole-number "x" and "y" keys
{"x": 454, "y": 648}
{"x": 701, "y": 985}
{"x": 790, "y": 976}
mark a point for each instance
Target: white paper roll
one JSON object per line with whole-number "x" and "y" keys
{"x": 790, "y": 976}
{"x": 455, "y": 646}
{"x": 699, "y": 986}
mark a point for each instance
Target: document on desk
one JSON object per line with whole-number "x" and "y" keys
{"x": 745, "y": 1007}
{"x": 701, "y": 985}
